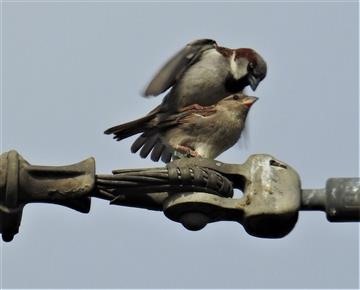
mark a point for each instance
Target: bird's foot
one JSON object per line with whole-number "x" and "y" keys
{"x": 187, "y": 151}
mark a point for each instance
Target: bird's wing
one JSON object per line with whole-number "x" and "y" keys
{"x": 188, "y": 117}
{"x": 176, "y": 66}
{"x": 153, "y": 144}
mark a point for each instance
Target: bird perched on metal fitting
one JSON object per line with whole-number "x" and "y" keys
{"x": 204, "y": 73}
{"x": 198, "y": 131}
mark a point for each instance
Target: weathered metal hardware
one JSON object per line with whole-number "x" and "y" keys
{"x": 191, "y": 191}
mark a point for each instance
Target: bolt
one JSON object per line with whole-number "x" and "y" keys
{"x": 194, "y": 221}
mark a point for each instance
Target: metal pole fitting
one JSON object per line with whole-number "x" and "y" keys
{"x": 340, "y": 199}
{"x": 22, "y": 183}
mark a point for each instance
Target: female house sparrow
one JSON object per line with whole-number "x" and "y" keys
{"x": 194, "y": 130}
{"x": 204, "y": 73}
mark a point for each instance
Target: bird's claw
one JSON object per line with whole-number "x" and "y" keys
{"x": 187, "y": 151}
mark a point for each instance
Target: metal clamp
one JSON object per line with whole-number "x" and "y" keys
{"x": 269, "y": 205}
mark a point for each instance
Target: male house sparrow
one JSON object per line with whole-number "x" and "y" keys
{"x": 204, "y": 73}
{"x": 202, "y": 131}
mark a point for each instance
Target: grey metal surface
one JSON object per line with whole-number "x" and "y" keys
{"x": 22, "y": 183}
{"x": 10, "y": 208}
{"x": 191, "y": 191}
{"x": 340, "y": 199}
{"x": 269, "y": 205}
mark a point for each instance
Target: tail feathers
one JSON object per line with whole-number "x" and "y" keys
{"x": 131, "y": 128}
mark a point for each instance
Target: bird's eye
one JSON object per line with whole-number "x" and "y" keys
{"x": 236, "y": 97}
{"x": 251, "y": 65}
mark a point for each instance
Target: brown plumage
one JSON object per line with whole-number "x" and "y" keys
{"x": 204, "y": 73}
{"x": 194, "y": 130}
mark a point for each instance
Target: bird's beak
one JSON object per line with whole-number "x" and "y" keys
{"x": 253, "y": 81}
{"x": 249, "y": 101}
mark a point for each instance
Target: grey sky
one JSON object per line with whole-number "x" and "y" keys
{"x": 71, "y": 70}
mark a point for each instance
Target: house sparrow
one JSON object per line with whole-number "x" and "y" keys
{"x": 204, "y": 73}
{"x": 198, "y": 131}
